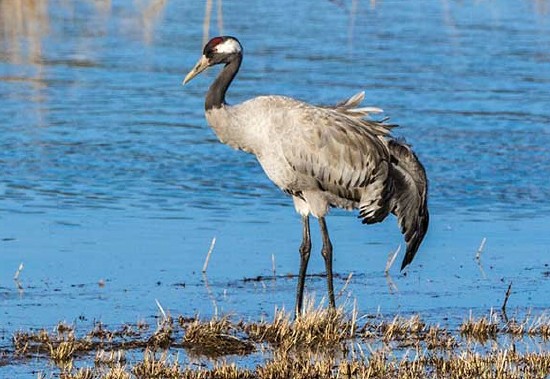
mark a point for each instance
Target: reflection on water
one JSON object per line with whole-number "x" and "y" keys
{"x": 152, "y": 14}
{"x": 26, "y": 29}
{"x": 22, "y": 26}
{"x": 108, "y": 170}
{"x": 207, "y": 17}
{"x": 472, "y": 97}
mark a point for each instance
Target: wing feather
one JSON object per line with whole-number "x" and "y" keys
{"x": 342, "y": 153}
{"x": 410, "y": 197}
{"x": 351, "y": 108}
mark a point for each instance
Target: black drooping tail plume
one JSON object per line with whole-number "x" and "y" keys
{"x": 410, "y": 197}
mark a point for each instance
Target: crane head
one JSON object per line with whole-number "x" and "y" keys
{"x": 217, "y": 50}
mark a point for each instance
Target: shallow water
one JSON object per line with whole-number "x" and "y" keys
{"x": 110, "y": 173}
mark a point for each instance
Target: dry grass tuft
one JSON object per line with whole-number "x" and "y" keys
{"x": 382, "y": 365}
{"x": 320, "y": 344}
{"x": 23, "y": 341}
{"x": 162, "y": 338}
{"x": 500, "y": 364}
{"x": 538, "y": 327}
{"x": 214, "y": 338}
{"x": 112, "y": 358}
{"x": 223, "y": 371}
{"x": 481, "y": 329}
{"x": 116, "y": 372}
{"x": 440, "y": 338}
{"x": 403, "y": 329}
{"x": 62, "y": 353}
{"x": 60, "y": 345}
{"x": 83, "y": 373}
{"x": 409, "y": 332}
{"x": 297, "y": 366}
{"x": 156, "y": 366}
{"x": 126, "y": 331}
{"x": 543, "y": 330}
{"x": 316, "y": 328}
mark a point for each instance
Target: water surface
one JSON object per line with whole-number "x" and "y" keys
{"x": 109, "y": 173}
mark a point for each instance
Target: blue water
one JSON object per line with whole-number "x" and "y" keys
{"x": 110, "y": 174}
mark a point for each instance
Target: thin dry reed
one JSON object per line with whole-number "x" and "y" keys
{"x": 320, "y": 343}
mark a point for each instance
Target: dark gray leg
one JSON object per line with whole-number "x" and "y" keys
{"x": 327, "y": 254}
{"x": 305, "y": 250}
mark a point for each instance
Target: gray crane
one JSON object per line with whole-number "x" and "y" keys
{"x": 322, "y": 156}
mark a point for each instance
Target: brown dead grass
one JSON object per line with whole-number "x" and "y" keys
{"x": 481, "y": 329}
{"x": 319, "y": 344}
{"x": 215, "y": 338}
{"x": 155, "y": 366}
{"x": 316, "y": 328}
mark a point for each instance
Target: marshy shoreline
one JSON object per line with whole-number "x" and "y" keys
{"x": 322, "y": 343}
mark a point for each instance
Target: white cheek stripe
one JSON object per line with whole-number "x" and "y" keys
{"x": 228, "y": 47}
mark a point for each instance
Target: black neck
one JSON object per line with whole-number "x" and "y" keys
{"x": 215, "y": 97}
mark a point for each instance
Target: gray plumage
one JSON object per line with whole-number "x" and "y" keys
{"x": 323, "y": 156}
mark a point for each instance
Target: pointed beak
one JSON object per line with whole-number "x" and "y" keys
{"x": 201, "y": 65}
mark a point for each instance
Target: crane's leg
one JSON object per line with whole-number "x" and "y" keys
{"x": 327, "y": 254}
{"x": 305, "y": 250}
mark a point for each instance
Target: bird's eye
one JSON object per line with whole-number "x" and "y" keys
{"x": 211, "y": 53}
